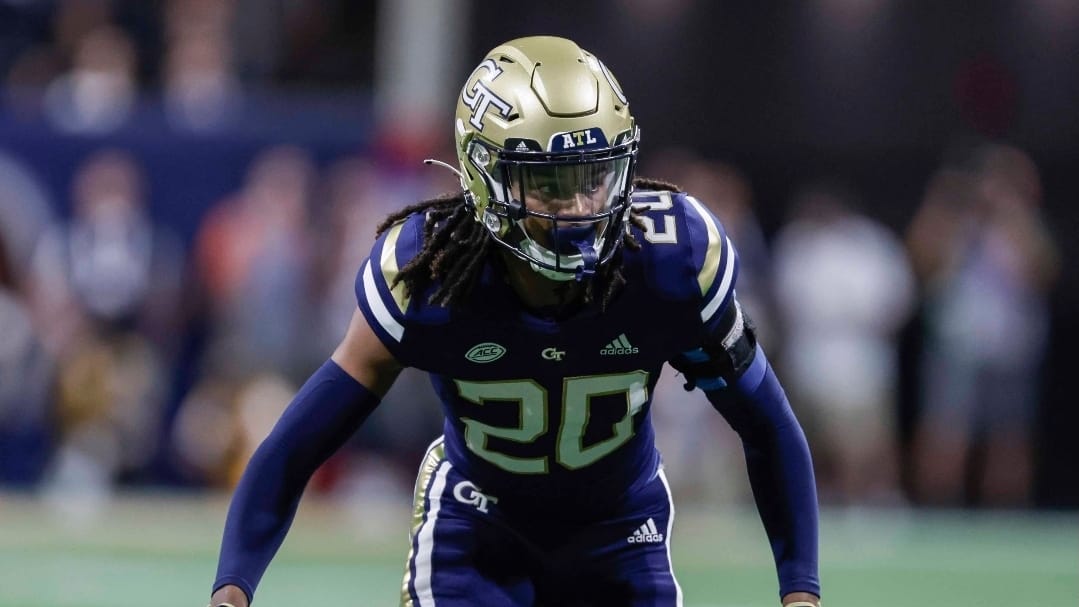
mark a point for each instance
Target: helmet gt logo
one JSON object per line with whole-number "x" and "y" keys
{"x": 480, "y": 98}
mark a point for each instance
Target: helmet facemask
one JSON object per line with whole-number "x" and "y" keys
{"x": 564, "y": 213}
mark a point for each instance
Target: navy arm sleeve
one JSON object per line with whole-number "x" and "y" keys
{"x": 780, "y": 470}
{"x": 326, "y": 411}
{"x": 734, "y": 373}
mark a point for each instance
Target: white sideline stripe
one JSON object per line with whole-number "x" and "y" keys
{"x": 425, "y": 542}
{"x": 382, "y": 313}
{"x": 724, "y": 285}
{"x": 667, "y": 539}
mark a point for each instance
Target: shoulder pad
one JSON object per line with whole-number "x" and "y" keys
{"x": 715, "y": 259}
{"x": 687, "y": 249}
{"x": 389, "y": 308}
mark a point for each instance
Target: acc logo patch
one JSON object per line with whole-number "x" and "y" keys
{"x": 486, "y": 352}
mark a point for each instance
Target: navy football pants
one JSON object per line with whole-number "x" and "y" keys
{"x": 465, "y": 552}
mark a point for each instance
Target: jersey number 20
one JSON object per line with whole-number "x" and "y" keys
{"x": 531, "y": 398}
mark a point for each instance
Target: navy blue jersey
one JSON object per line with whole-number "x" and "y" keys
{"x": 554, "y": 415}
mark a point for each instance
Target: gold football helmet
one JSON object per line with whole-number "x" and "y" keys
{"x": 547, "y": 148}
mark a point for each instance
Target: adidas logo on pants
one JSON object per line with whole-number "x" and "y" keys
{"x": 646, "y": 534}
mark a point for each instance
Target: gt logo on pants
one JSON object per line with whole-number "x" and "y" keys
{"x": 467, "y": 493}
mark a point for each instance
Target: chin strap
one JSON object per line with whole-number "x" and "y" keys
{"x": 579, "y": 266}
{"x": 587, "y": 269}
{"x": 583, "y": 239}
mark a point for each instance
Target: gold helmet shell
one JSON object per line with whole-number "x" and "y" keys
{"x": 543, "y": 101}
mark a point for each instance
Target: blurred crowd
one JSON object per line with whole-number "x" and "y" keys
{"x": 81, "y": 64}
{"x": 132, "y": 354}
{"x": 132, "y": 357}
{"x": 833, "y": 293}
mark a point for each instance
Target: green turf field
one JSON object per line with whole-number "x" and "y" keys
{"x": 161, "y": 551}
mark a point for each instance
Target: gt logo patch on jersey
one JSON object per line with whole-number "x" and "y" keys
{"x": 583, "y": 139}
{"x": 552, "y": 354}
{"x": 480, "y": 98}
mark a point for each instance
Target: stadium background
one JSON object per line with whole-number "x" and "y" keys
{"x": 263, "y": 140}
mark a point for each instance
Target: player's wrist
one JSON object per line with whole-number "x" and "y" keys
{"x": 229, "y": 596}
{"x": 800, "y": 599}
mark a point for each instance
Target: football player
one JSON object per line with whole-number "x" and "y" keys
{"x": 543, "y": 300}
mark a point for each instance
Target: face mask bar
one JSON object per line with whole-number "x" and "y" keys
{"x": 569, "y": 246}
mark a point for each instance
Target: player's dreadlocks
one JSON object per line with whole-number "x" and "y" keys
{"x": 455, "y": 245}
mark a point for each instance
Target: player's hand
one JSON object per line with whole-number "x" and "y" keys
{"x": 801, "y": 599}
{"x": 229, "y": 596}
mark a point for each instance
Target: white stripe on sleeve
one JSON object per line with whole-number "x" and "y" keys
{"x": 724, "y": 285}
{"x": 374, "y": 300}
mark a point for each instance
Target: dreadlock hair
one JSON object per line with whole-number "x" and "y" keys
{"x": 455, "y": 245}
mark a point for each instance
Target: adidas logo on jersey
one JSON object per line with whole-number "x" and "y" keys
{"x": 646, "y": 534}
{"x": 619, "y": 345}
